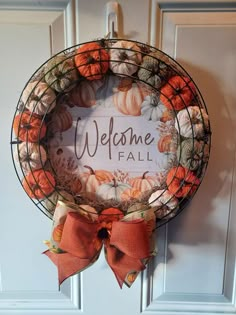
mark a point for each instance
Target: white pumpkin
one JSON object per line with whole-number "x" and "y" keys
{"x": 31, "y": 156}
{"x": 39, "y": 98}
{"x": 161, "y": 198}
{"x": 192, "y": 122}
{"x": 112, "y": 190}
{"x": 152, "y": 108}
{"x": 92, "y": 179}
{"x": 125, "y": 57}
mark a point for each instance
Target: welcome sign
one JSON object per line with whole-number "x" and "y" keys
{"x": 105, "y": 148}
{"x": 110, "y": 134}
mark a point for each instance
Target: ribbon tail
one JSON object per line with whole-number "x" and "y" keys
{"x": 125, "y": 268}
{"x": 68, "y": 264}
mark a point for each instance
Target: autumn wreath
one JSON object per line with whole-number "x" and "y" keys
{"x": 112, "y": 138}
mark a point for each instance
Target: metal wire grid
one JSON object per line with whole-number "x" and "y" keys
{"x": 174, "y": 68}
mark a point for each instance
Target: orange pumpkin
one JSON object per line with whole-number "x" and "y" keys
{"x": 177, "y": 93}
{"x": 181, "y": 182}
{"x": 28, "y": 127}
{"x": 130, "y": 193}
{"x": 93, "y": 178}
{"x": 166, "y": 144}
{"x": 129, "y": 97}
{"x": 39, "y": 184}
{"x": 167, "y": 115}
{"x": 92, "y": 61}
{"x": 144, "y": 182}
{"x": 84, "y": 93}
{"x": 57, "y": 233}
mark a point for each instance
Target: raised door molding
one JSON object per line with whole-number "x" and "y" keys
{"x": 60, "y": 16}
{"x": 56, "y": 20}
{"x": 200, "y": 35}
{"x": 160, "y": 8}
{"x": 67, "y": 301}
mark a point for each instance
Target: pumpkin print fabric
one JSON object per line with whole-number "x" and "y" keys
{"x": 102, "y": 101}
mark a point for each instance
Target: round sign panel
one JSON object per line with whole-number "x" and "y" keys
{"x": 111, "y": 123}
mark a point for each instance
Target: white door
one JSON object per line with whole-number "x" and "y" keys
{"x": 194, "y": 271}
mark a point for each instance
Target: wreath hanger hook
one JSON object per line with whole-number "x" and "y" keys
{"x": 112, "y": 19}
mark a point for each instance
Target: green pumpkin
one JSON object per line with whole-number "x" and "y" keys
{"x": 60, "y": 73}
{"x": 154, "y": 70}
{"x": 192, "y": 153}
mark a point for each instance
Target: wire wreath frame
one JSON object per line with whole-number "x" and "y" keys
{"x": 172, "y": 69}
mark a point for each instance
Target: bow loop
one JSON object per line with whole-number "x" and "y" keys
{"x": 131, "y": 238}
{"x": 78, "y": 235}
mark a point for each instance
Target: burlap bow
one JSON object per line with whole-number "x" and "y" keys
{"x": 126, "y": 244}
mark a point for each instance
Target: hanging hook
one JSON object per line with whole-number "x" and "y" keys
{"x": 112, "y": 19}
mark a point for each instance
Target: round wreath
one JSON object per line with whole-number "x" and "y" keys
{"x": 140, "y": 81}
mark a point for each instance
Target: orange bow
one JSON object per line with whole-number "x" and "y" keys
{"x": 126, "y": 246}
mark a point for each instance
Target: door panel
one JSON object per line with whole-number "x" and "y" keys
{"x": 194, "y": 269}
{"x": 28, "y": 281}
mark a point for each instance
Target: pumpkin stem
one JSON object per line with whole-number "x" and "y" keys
{"x": 178, "y": 90}
{"x": 35, "y": 98}
{"x": 123, "y": 55}
{"x": 35, "y": 186}
{"x": 183, "y": 183}
{"x": 144, "y": 174}
{"x": 114, "y": 182}
{"x": 58, "y": 73}
{"x": 27, "y": 158}
{"x": 90, "y": 169}
{"x": 26, "y": 126}
{"x": 91, "y": 59}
